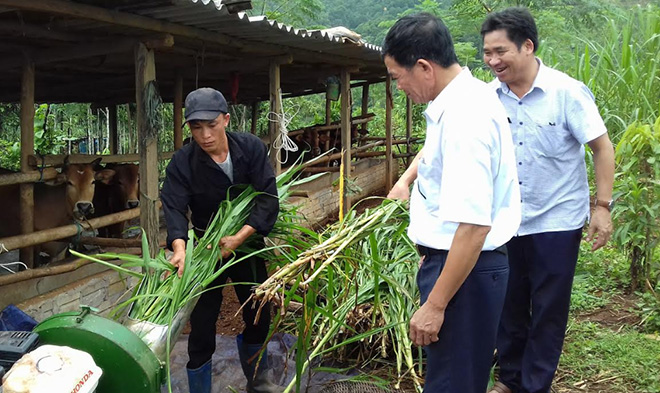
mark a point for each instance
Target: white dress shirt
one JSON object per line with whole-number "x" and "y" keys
{"x": 468, "y": 171}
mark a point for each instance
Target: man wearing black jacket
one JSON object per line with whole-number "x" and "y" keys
{"x": 198, "y": 178}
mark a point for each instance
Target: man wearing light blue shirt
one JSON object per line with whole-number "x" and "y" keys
{"x": 552, "y": 116}
{"x": 465, "y": 205}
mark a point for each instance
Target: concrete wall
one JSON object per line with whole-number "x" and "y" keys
{"x": 94, "y": 285}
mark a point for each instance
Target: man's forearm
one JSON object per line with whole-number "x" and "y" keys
{"x": 603, "y": 167}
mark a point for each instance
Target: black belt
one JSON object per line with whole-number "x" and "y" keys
{"x": 423, "y": 250}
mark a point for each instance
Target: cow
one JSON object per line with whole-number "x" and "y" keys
{"x": 117, "y": 189}
{"x": 58, "y": 203}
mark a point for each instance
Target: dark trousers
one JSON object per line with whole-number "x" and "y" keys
{"x": 460, "y": 360}
{"x": 535, "y": 314}
{"x": 201, "y": 342}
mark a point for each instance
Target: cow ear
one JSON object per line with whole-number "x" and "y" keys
{"x": 104, "y": 176}
{"x": 65, "y": 162}
{"x": 96, "y": 163}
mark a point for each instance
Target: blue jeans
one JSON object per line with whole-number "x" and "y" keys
{"x": 531, "y": 333}
{"x": 460, "y": 361}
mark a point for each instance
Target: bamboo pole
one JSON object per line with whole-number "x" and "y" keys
{"x": 408, "y": 126}
{"x": 177, "y": 108}
{"x": 28, "y": 177}
{"x": 110, "y": 242}
{"x": 388, "y": 133}
{"x": 112, "y": 124}
{"x": 52, "y": 234}
{"x": 273, "y": 117}
{"x": 27, "y": 148}
{"x": 145, "y": 72}
{"x": 345, "y": 83}
{"x": 57, "y": 159}
{"x": 365, "y": 106}
{"x": 53, "y": 270}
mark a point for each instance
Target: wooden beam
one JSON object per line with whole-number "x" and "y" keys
{"x": 34, "y": 31}
{"x": 110, "y": 242}
{"x": 408, "y": 128}
{"x": 27, "y": 148}
{"x": 57, "y": 159}
{"x": 145, "y": 75}
{"x": 112, "y": 125}
{"x": 52, "y": 234}
{"x": 274, "y": 116}
{"x": 73, "y": 52}
{"x": 178, "y": 110}
{"x": 365, "y": 105}
{"x": 346, "y": 117}
{"x": 28, "y": 177}
{"x": 336, "y": 156}
{"x": 117, "y": 18}
{"x": 389, "y": 164}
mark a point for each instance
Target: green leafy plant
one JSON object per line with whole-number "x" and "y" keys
{"x": 637, "y": 192}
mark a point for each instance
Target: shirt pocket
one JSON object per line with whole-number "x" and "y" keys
{"x": 550, "y": 138}
{"x": 428, "y": 185}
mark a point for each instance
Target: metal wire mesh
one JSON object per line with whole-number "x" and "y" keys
{"x": 353, "y": 387}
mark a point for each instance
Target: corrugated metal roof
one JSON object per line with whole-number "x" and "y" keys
{"x": 211, "y": 46}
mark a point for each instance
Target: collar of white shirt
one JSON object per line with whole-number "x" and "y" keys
{"x": 437, "y": 107}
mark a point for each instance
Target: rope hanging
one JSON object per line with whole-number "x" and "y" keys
{"x": 282, "y": 140}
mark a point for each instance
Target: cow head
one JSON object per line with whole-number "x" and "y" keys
{"x": 80, "y": 180}
{"x": 127, "y": 177}
{"x": 126, "y": 180}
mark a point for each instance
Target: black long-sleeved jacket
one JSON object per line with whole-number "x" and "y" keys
{"x": 194, "y": 180}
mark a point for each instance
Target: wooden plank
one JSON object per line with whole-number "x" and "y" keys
{"x": 58, "y": 159}
{"x": 275, "y": 108}
{"x": 345, "y": 85}
{"x": 27, "y": 148}
{"x": 389, "y": 164}
{"x": 112, "y": 125}
{"x": 178, "y": 110}
{"x": 145, "y": 73}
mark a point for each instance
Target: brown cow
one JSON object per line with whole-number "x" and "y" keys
{"x": 116, "y": 191}
{"x": 54, "y": 205}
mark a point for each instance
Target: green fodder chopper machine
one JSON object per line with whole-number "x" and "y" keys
{"x": 132, "y": 355}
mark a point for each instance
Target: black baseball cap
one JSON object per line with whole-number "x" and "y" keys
{"x": 205, "y": 103}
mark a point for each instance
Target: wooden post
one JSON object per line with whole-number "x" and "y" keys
{"x": 273, "y": 120}
{"x": 255, "y": 118}
{"x": 346, "y": 132}
{"x": 388, "y": 134}
{"x": 145, "y": 72}
{"x": 408, "y": 129}
{"x": 178, "y": 107}
{"x": 365, "y": 106}
{"x": 27, "y": 147}
{"x": 112, "y": 125}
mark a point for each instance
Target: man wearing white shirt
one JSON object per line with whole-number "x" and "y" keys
{"x": 465, "y": 205}
{"x": 552, "y": 116}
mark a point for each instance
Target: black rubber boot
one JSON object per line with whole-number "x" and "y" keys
{"x": 262, "y": 381}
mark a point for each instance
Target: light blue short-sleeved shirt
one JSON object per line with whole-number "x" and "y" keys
{"x": 467, "y": 173}
{"x": 550, "y": 125}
